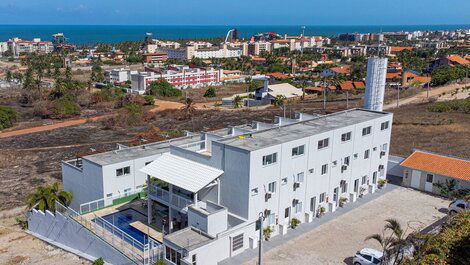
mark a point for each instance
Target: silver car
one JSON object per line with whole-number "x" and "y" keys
{"x": 368, "y": 256}
{"x": 458, "y": 206}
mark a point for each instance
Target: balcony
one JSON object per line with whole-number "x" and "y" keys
{"x": 166, "y": 197}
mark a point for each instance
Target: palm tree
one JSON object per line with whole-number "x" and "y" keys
{"x": 188, "y": 108}
{"x": 44, "y": 198}
{"x": 448, "y": 188}
{"x": 237, "y": 101}
{"x": 393, "y": 243}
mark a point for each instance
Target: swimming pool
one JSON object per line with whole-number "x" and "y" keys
{"x": 123, "y": 219}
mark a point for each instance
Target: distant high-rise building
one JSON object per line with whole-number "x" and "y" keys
{"x": 375, "y": 83}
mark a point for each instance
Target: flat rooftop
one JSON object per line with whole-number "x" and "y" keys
{"x": 188, "y": 238}
{"x": 298, "y": 130}
{"x": 135, "y": 152}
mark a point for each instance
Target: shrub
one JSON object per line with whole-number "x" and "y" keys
{"x": 267, "y": 232}
{"x": 128, "y": 99}
{"x": 342, "y": 201}
{"x": 210, "y": 93}
{"x": 381, "y": 183}
{"x": 294, "y": 223}
{"x": 460, "y": 105}
{"x": 64, "y": 107}
{"x": 22, "y": 223}
{"x": 149, "y": 100}
{"x": 8, "y": 116}
{"x": 160, "y": 262}
{"x": 164, "y": 89}
{"x": 99, "y": 261}
{"x": 321, "y": 211}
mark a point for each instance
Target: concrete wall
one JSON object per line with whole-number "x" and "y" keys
{"x": 394, "y": 167}
{"x": 65, "y": 233}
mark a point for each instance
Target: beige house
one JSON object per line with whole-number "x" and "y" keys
{"x": 424, "y": 169}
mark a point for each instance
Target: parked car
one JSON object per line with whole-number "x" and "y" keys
{"x": 458, "y": 206}
{"x": 368, "y": 256}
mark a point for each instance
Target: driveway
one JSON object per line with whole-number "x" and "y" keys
{"x": 335, "y": 241}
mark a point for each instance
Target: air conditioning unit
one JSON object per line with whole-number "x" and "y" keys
{"x": 381, "y": 167}
{"x": 344, "y": 167}
{"x": 382, "y": 153}
{"x": 296, "y": 185}
{"x": 295, "y": 202}
{"x": 310, "y": 170}
{"x": 335, "y": 162}
{"x": 268, "y": 195}
{"x": 374, "y": 149}
{"x": 355, "y": 155}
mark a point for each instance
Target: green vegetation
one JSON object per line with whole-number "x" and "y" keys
{"x": 65, "y": 107}
{"x": 164, "y": 89}
{"x": 392, "y": 240}
{"x": 99, "y": 261}
{"x": 149, "y": 100}
{"x": 44, "y": 197}
{"x": 445, "y": 74}
{"x": 97, "y": 74}
{"x": 460, "y": 105}
{"x": 255, "y": 84}
{"x": 8, "y": 116}
{"x": 450, "y": 246}
{"x": 210, "y": 92}
{"x": 449, "y": 189}
{"x": 267, "y": 232}
{"x": 294, "y": 223}
{"x": 160, "y": 262}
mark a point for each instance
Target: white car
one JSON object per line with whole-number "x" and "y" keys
{"x": 368, "y": 256}
{"x": 458, "y": 206}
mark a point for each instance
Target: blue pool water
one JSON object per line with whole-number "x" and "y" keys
{"x": 123, "y": 219}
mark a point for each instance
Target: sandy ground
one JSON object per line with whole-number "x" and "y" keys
{"x": 336, "y": 241}
{"x": 20, "y": 248}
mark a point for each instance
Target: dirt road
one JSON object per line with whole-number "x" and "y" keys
{"x": 161, "y": 105}
{"x": 423, "y": 96}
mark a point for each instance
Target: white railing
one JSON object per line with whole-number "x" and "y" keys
{"x": 104, "y": 202}
{"x": 164, "y": 195}
{"x": 141, "y": 253}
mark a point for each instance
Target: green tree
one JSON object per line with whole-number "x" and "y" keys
{"x": 392, "y": 240}
{"x": 8, "y": 116}
{"x": 68, "y": 73}
{"x": 45, "y": 197}
{"x": 8, "y": 76}
{"x": 210, "y": 92}
{"x": 279, "y": 101}
{"x": 164, "y": 89}
{"x": 99, "y": 261}
{"x": 237, "y": 101}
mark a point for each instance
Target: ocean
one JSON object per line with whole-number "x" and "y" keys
{"x": 89, "y": 34}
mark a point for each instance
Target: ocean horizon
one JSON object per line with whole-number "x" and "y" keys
{"x": 95, "y": 34}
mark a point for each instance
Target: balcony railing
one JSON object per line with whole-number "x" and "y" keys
{"x": 164, "y": 195}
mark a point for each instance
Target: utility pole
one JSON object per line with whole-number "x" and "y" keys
{"x": 347, "y": 99}
{"x": 398, "y": 96}
{"x": 324, "y": 97}
{"x": 260, "y": 250}
{"x": 427, "y": 90}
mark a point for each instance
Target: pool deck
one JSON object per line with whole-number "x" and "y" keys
{"x": 148, "y": 230}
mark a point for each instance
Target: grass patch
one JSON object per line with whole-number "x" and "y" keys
{"x": 460, "y": 105}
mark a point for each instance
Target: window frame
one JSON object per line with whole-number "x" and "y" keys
{"x": 273, "y": 190}
{"x": 273, "y": 159}
{"x": 324, "y": 143}
{"x": 236, "y": 243}
{"x": 322, "y": 197}
{"x": 325, "y": 166}
{"x": 367, "y": 154}
{"x": 346, "y": 137}
{"x": 427, "y": 178}
{"x": 366, "y": 130}
{"x": 384, "y": 125}
{"x": 298, "y": 150}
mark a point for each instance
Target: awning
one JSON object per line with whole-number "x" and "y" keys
{"x": 182, "y": 172}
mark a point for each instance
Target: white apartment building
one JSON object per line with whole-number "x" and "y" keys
{"x": 19, "y": 46}
{"x": 178, "y": 76}
{"x": 3, "y": 47}
{"x": 213, "y": 190}
{"x": 258, "y": 47}
{"x": 119, "y": 75}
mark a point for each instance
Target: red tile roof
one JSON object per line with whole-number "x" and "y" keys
{"x": 341, "y": 69}
{"x": 399, "y": 49}
{"x": 278, "y": 75}
{"x": 439, "y": 164}
{"x": 458, "y": 59}
{"x": 347, "y": 85}
{"x": 360, "y": 85}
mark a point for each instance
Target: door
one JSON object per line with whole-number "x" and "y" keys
{"x": 313, "y": 204}
{"x": 356, "y": 185}
{"x": 428, "y": 184}
{"x": 335, "y": 195}
{"x": 415, "y": 179}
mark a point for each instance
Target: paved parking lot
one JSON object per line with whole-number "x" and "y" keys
{"x": 335, "y": 241}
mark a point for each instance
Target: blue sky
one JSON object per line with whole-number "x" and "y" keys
{"x": 235, "y": 12}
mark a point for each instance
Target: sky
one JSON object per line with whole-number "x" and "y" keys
{"x": 234, "y": 12}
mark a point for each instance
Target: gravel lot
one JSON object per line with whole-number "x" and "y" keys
{"x": 336, "y": 241}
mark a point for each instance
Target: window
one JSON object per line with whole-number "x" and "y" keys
{"x": 173, "y": 256}
{"x": 237, "y": 242}
{"x": 193, "y": 260}
{"x": 356, "y": 185}
{"x": 322, "y": 197}
{"x": 299, "y": 150}
{"x": 109, "y": 195}
{"x": 384, "y": 147}
{"x": 366, "y": 130}
{"x": 364, "y": 180}
{"x": 345, "y": 137}
{"x": 287, "y": 212}
{"x": 284, "y": 181}
{"x": 254, "y": 191}
{"x": 384, "y": 126}
{"x": 271, "y": 218}
{"x": 346, "y": 161}
{"x": 123, "y": 171}
{"x": 299, "y": 177}
{"x": 367, "y": 257}
{"x": 344, "y": 187}
{"x": 374, "y": 177}
{"x": 429, "y": 178}
{"x": 298, "y": 207}
{"x": 269, "y": 159}
{"x": 272, "y": 187}
{"x": 366, "y": 154}
{"x": 324, "y": 169}
{"x": 323, "y": 143}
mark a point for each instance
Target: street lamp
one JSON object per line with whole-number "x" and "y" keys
{"x": 260, "y": 251}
